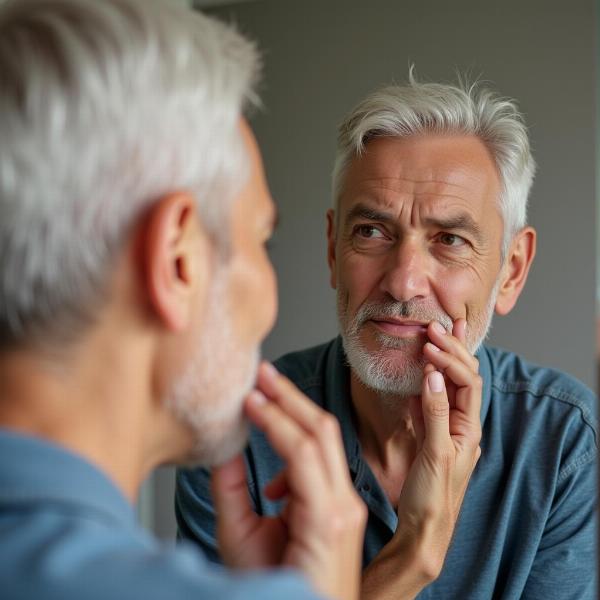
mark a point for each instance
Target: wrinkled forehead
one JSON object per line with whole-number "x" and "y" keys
{"x": 433, "y": 170}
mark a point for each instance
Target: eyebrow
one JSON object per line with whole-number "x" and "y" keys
{"x": 363, "y": 211}
{"x": 458, "y": 222}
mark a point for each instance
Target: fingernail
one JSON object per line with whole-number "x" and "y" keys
{"x": 256, "y": 398}
{"x": 462, "y": 323}
{"x": 433, "y": 347}
{"x": 438, "y": 328}
{"x": 436, "y": 382}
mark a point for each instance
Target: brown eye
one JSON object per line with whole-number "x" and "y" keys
{"x": 368, "y": 232}
{"x": 450, "y": 239}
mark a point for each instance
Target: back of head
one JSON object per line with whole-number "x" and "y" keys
{"x": 105, "y": 106}
{"x": 434, "y": 108}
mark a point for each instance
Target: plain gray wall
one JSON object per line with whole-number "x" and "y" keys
{"x": 323, "y": 56}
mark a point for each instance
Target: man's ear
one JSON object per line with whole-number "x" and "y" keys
{"x": 331, "y": 236}
{"x": 175, "y": 255}
{"x": 515, "y": 270}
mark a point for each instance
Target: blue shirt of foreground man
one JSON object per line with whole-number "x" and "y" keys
{"x": 430, "y": 186}
{"x": 135, "y": 290}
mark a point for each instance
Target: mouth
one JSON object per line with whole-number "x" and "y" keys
{"x": 401, "y": 328}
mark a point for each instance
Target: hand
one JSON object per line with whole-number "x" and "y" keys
{"x": 446, "y": 419}
{"x": 321, "y": 528}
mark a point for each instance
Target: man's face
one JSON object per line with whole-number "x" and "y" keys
{"x": 418, "y": 238}
{"x": 241, "y": 310}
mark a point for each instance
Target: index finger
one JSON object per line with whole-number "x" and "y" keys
{"x": 232, "y": 501}
{"x": 323, "y": 426}
{"x": 454, "y": 344}
{"x": 459, "y": 330}
{"x": 294, "y": 445}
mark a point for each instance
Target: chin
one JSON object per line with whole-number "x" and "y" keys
{"x": 393, "y": 368}
{"x": 219, "y": 445}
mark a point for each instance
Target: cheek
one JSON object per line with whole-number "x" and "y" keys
{"x": 358, "y": 277}
{"x": 254, "y": 297}
{"x": 460, "y": 293}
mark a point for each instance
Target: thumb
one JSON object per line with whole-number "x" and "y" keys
{"x": 436, "y": 410}
{"x": 235, "y": 515}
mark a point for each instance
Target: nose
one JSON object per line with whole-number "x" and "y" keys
{"x": 407, "y": 273}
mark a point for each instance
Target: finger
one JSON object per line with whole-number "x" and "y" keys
{"x": 305, "y": 468}
{"x": 416, "y": 411}
{"x": 449, "y": 343}
{"x": 322, "y": 425}
{"x": 461, "y": 376}
{"x": 232, "y": 501}
{"x": 416, "y": 415}
{"x": 277, "y": 488}
{"x": 436, "y": 410}
{"x": 459, "y": 330}
{"x": 429, "y": 368}
{"x": 457, "y": 370}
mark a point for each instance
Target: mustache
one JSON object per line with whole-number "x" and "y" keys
{"x": 411, "y": 309}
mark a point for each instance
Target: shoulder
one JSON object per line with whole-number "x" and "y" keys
{"x": 77, "y": 557}
{"x": 560, "y": 408}
{"x": 512, "y": 374}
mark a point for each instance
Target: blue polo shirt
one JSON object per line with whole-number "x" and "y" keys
{"x": 527, "y": 527}
{"x": 67, "y": 533}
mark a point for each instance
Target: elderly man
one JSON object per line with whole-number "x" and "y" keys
{"x": 427, "y": 240}
{"x": 135, "y": 290}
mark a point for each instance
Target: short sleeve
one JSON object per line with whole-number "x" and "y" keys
{"x": 565, "y": 563}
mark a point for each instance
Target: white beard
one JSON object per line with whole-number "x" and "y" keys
{"x": 396, "y": 367}
{"x": 208, "y": 397}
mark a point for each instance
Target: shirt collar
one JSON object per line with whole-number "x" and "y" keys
{"x": 339, "y": 402}
{"x": 33, "y": 470}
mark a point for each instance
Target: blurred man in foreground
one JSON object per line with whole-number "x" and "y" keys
{"x": 428, "y": 237}
{"x": 135, "y": 290}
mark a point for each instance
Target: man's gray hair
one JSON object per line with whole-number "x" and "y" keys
{"x": 105, "y": 106}
{"x": 421, "y": 108}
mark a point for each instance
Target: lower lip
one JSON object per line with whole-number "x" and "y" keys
{"x": 399, "y": 330}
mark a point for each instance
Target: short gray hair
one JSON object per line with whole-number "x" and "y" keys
{"x": 105, "y": 106}
{"x": 420, "y": 108}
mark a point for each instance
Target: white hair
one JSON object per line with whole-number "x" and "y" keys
{"x": 420, "y": 108}
{"x": 105, "y": 106}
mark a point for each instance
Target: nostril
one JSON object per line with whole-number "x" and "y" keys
{"x": 403, "y": 284}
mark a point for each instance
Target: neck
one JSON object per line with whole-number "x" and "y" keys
{"x": 90, "y": 403}
{"x": 386, "y": 434}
